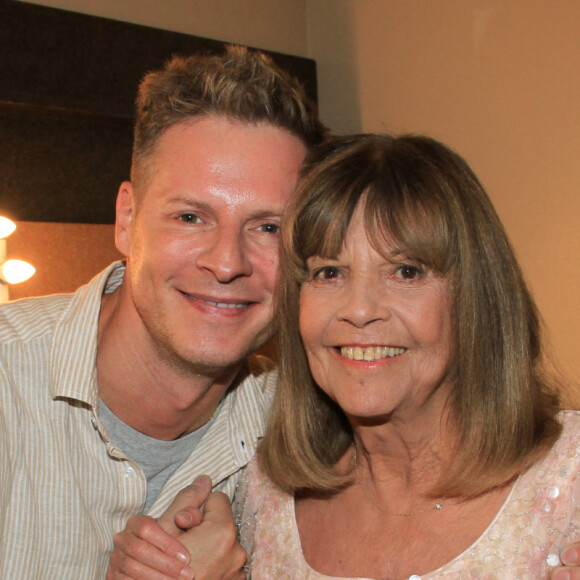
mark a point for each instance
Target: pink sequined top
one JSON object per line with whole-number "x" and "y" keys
{"x": 540, "y": 517}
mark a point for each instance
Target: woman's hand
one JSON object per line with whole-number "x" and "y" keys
{"x": 150, "y": 549}
{"x": 213, "y": 545}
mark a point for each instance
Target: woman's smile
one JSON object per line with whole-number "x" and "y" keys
{"x": 370, "y": 353}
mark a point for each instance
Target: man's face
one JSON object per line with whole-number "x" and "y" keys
{"x": 202, "y": 243}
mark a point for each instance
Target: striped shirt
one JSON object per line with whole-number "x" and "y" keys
{"x": 65, "y": 489}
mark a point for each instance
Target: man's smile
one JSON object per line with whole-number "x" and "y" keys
{"x": 220, "y": 303}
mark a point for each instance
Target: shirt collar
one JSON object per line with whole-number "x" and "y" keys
{"x": 73, "y": 351}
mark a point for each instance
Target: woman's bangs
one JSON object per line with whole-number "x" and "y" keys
{"x": 323, "y": 223}
{"x": 416, "y": 228}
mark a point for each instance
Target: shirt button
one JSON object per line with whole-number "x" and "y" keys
{"x": 129, "y": 471}
{"x": 552, "y": 492}
{"x": 553, "y": 560}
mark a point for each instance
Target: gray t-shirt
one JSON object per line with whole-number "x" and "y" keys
{"x": 158, "y": 459}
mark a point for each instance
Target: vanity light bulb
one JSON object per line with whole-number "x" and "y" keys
{"x": 6, "y": 227}
{"x": 16, "y": 271}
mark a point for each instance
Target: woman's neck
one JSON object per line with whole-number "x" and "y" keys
{"x": 410, "y": 452}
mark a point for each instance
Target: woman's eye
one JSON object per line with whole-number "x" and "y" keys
{"x": 189, "y": 218}
{"x": 270, "y": 228}
{"x": 326, "y": 273}
{"x": 409, "y": 272}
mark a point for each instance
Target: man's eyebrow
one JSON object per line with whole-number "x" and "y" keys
{"x": 189, "y": 201}
{"x": 266, "y": 213}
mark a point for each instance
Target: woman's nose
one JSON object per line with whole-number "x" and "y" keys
{"x": 363, "y": 303}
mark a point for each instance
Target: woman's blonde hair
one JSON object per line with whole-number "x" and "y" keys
{"x": 423, "y": 196}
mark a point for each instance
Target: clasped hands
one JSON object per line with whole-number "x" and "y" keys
{"x": 196, "y": 538}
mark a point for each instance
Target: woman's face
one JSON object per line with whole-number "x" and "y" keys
{"x": 377, "y": 331}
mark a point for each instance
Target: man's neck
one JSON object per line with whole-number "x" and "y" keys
{"x": 145, "y": 389}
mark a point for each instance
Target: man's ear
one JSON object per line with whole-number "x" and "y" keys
{"x": 124, "y": 217}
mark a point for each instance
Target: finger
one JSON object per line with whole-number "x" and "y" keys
{"x": 218, "y": 509}
{"x": 571, "y": 555}
{"x": 189, "y": 500}
{"x": 566, "y": 574}
{"x": 188, "y": 518}
{"x": 143, "y": 550}
{"x": 122, "y": 566}
{"x": 142, "y": 531}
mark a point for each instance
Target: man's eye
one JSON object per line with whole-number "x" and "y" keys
{"x": 270, "y": 228}
{"x": 189, "y": 218}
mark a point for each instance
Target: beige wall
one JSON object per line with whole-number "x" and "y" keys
{"x": 332, "y": 43}
{"x": 497, "y": 80}
{"x": 278, "y": 25}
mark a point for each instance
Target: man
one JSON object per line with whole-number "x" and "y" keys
{"x": 116, "y": 397}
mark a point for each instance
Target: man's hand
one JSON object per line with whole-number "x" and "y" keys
{"x": 149, "y": 549}
{"x": 570, "y": 557}
{"x": 144, "y": 551}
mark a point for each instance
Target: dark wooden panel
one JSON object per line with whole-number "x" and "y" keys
{"x": 61, "y": 168}
{"x": 67, "y": 86}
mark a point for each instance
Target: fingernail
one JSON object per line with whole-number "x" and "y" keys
{"x": 186, "y": 574}
{"x": 562, "y": 575}
{"x": 182, "y": 557}
{"x": 570, "y": 556}
{"x": 185, "y": 516}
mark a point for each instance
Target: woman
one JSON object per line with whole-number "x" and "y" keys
{"x": 413, "y": 434}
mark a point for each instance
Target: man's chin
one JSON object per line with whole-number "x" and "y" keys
{"x": 214, "y": 363}
{"x": 212, "y": 358}
{"x": 213, "y": 367}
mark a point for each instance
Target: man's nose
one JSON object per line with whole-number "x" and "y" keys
{"x": 225, "y": 256}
